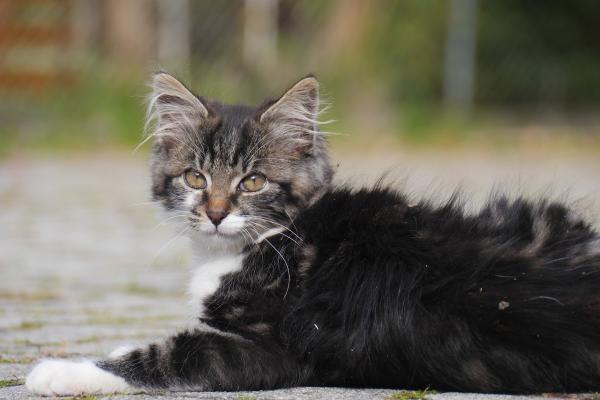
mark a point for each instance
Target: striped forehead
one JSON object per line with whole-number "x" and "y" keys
{"x": 225, "y": 147}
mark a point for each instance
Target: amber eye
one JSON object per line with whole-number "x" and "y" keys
{"x": 194, "y": 179}
{"x": 253, "y": 183}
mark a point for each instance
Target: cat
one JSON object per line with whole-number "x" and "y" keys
{"x": 299, "y": 282}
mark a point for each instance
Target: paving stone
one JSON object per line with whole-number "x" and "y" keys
{"x": 13, "y": 371}
{"x": 87, "y": 263}
{"x": 305, "y": 393}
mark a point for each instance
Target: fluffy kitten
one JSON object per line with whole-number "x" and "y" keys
{"x": 299, "y": 283}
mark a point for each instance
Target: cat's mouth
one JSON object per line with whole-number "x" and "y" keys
{"x": 232, "y": 226}
{"x": 211, "y": 230}
{"x": 228, "y": 228}
{"x": 226, "y": 234}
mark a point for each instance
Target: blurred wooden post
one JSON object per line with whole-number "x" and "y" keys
{"x": 260, "y": 34}
{"x": 129, "y": 31}
{"x": 22, "y": 38}
{"x": 85, "y": 25}
{"x": 346, "y": 28}
{"x": 174, "y": 36}
{"x": 459, "y": 65}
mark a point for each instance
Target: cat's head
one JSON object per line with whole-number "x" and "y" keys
{"x": 236, "y": 173}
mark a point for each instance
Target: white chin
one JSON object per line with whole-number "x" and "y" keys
{"x": 212, "y": 231}
{"x": 231, "y": 235}
{"x": 230, "y": 227}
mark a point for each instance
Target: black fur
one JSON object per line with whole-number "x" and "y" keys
{"x": 364, "y": 288}
{"x": 401, "y": 296}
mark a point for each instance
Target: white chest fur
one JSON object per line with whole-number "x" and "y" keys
{"x": 207, "y": 276}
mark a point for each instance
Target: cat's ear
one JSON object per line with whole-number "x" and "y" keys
{"x": 173, "y": 109}
{"x": 294, "y": 115}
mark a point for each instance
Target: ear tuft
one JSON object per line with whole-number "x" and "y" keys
{"x": 173, "y": 109}
{"x": 166, "y": 89}
{"x": 300, "y": 101}
{"x": 293, "y": 118}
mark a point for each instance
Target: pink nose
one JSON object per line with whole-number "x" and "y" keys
{"x": 216, "y": 216}
{"x": 217, "y": 209}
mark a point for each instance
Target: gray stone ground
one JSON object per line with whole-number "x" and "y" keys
{"x": 86, "y": 264}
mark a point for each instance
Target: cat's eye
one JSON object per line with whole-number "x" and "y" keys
{"x": 253, "y": 183}
{"x": 194, "y": 179}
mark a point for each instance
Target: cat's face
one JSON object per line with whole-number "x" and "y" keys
{"x": 236, "y": 173}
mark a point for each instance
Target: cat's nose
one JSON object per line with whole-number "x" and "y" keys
{"x": 217, "y": 209}
{"x": 216, "y": 216}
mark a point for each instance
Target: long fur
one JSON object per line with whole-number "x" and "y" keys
{"x": 383, "y": 294}
{"x": 362, "y": 288}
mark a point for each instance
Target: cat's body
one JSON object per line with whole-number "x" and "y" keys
{"x": 336, "y": 287}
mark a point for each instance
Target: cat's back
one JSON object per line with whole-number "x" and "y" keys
{"x": 512, "y": 288}
{"x": 387, "y": 217}
{"x": 367, "y": 215}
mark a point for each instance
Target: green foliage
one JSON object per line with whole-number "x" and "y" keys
{"x": 10, "y": 382}
{"x": 98, "y": 110}
{"x": 538, "y": 52}
{"x": 387, "y": 78}
{"x": 244, "y": 397}
{"x": 29, "y": 325}
{"x": 411, "y": 395}
{"x": 8, "y": 360}
{"x": 406, "y": 46}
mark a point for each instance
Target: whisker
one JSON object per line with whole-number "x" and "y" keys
{"x": 289, "y": 274}
{"x": 287, "y": 267}
{"x": 164, "y": 221}
{"x": 143, "y": 203}
{"x": 177, "y": 236}
{"x": 280, "y": 233}
{"x": 247, "y": 236}
{"x": 290, "y": 218}
{"x": 268, "y": 220}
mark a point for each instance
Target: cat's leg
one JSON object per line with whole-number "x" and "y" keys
{"x": 53, "y": 376}
{"x": 195, "y": 360}
{"x": 65, "y": 377}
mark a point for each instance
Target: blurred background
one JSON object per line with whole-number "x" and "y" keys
{"x": 477, "y": 94}
{"x": 426, "y": 72}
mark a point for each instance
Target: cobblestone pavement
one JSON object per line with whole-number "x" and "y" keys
{"x": 86, "y": 264}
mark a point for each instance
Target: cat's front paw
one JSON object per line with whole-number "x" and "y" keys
{"x": 62, "y": 377}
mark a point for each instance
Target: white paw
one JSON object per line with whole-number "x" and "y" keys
{"x": 62, "y": 377}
